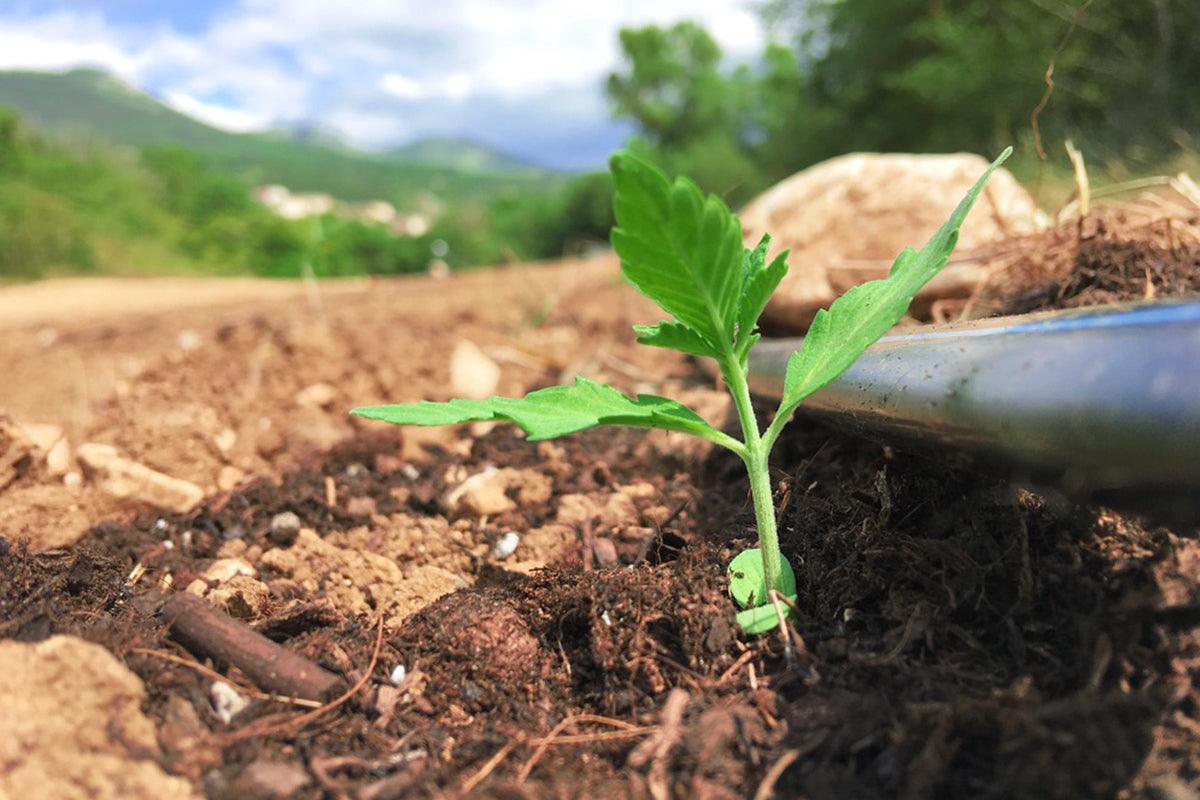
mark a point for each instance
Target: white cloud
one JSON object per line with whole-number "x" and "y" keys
{"x": 456, "y": 87}
{"x": 61, "y": 41}
{"x": 402, "y": 86}
{"x": 230, "y": 119}
{"x": 372, "y": 68}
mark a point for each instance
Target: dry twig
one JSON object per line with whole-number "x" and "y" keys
{"x": 767, "y": 788}
{"x": 296, "y": 723}
{"x": 553, "y": 737}
{"x": 216, "y": 676}
{"x": 470, "y": 783}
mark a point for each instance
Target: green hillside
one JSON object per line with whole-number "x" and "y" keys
{"x": 66, "y": 209}
{"x": 90, "y": 105}
{"x": 461, "y": 155}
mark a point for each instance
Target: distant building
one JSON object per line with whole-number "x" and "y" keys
{"x": 283, "y": 202}
{"x": 380, "y": 211}
{"x": 294, "y": 206}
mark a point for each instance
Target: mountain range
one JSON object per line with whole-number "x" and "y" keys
{"x": 91, "y": 106}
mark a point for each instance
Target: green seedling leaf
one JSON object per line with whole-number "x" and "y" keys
{"x": 759, "y": 283}
{"x": 858, "y": 318}
{"x": 763, "y": 619}
{"x": 679, "y": 248}
{"x": 556, "y": 411}
{"x": 748, "y": 580}
{"x": 748, "y": 587}
{"x": 754, "y": 260}
{"x": 675, "y": 336}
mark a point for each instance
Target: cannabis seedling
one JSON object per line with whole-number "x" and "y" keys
{"x": 684, "y": 251}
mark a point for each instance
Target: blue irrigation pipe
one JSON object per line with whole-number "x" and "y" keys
{"x": 1103, "y": 402}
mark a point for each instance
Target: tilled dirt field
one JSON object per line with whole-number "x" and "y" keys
{"x": 957, "y": 636}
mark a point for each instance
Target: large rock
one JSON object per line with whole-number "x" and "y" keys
{"x": 846, "y": 219}
{"x": 71, "y": 726}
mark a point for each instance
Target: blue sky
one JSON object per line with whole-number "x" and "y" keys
{"x": 522, "y": 75}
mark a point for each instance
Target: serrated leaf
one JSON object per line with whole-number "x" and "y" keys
{"x": 675, "y": 336}
{"x": 748, "y": 578}
{"x": 754, "y": 260}
{"x": 761, "y": 285}
{"x": 679, "y": 248}
{"x": 552, "y": 412}
{"x": 859, "y": 317}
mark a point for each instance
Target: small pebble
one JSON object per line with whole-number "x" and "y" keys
{"x": 233, "y": 532}
{"x": 605, "y": 551}
{"x": 506, "y": 545}
{"x": 398, "y": 675}
{"x": 160, "y": 524}
{"x": 226, "y": 701}
{"x": 361, "y": 506}
{"x": 410, "y": 472}
{"x": 284, "y": 528}
{"x": 188, "y": 340}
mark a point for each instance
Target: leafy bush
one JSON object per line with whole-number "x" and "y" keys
{"x": 40, "y": 232}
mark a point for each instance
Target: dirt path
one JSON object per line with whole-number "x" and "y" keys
{"x": 955, "y": 636}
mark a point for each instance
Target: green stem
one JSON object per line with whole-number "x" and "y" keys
{"x": 755, "y": 457}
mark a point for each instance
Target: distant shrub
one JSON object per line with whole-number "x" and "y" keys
{"x": 40, "y": 233}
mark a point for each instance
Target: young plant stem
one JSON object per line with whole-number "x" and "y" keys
{"x": 756, "y": 458}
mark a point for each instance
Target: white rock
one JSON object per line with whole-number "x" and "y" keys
{"x": 188, "y": 340}
{"x": 44, "y": 437}
{"x": 124, "y": 478}
{"x": 58, "y": 459}
{"x": 226, "y": 701}
{"x": 482, "y": 494}
{"x": 398, "y": 675}
{"x": 319, "y": 395}
{"x": 506, "y": 545}
{"x": 472, "y": 374}
{"x": 225, "y": 440}
{"x": 223, "y": 569}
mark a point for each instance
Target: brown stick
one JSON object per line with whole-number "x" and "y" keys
{"x": 208, "y": 632}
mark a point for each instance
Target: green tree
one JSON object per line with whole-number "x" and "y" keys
{"x": 692, "y": 114}
{"x": 672, "y": 86}
{"x": 937, "y": 75}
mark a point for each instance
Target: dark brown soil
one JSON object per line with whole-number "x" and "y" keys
{"x": 956, "y": 636}
{"x": 1107, "y": 258}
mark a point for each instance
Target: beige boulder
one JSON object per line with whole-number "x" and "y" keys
{"x": 71, "y": 726}
{"x": 846, "y": 219}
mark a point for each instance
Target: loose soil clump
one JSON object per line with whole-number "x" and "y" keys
{"x": 1109, "y": 257}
